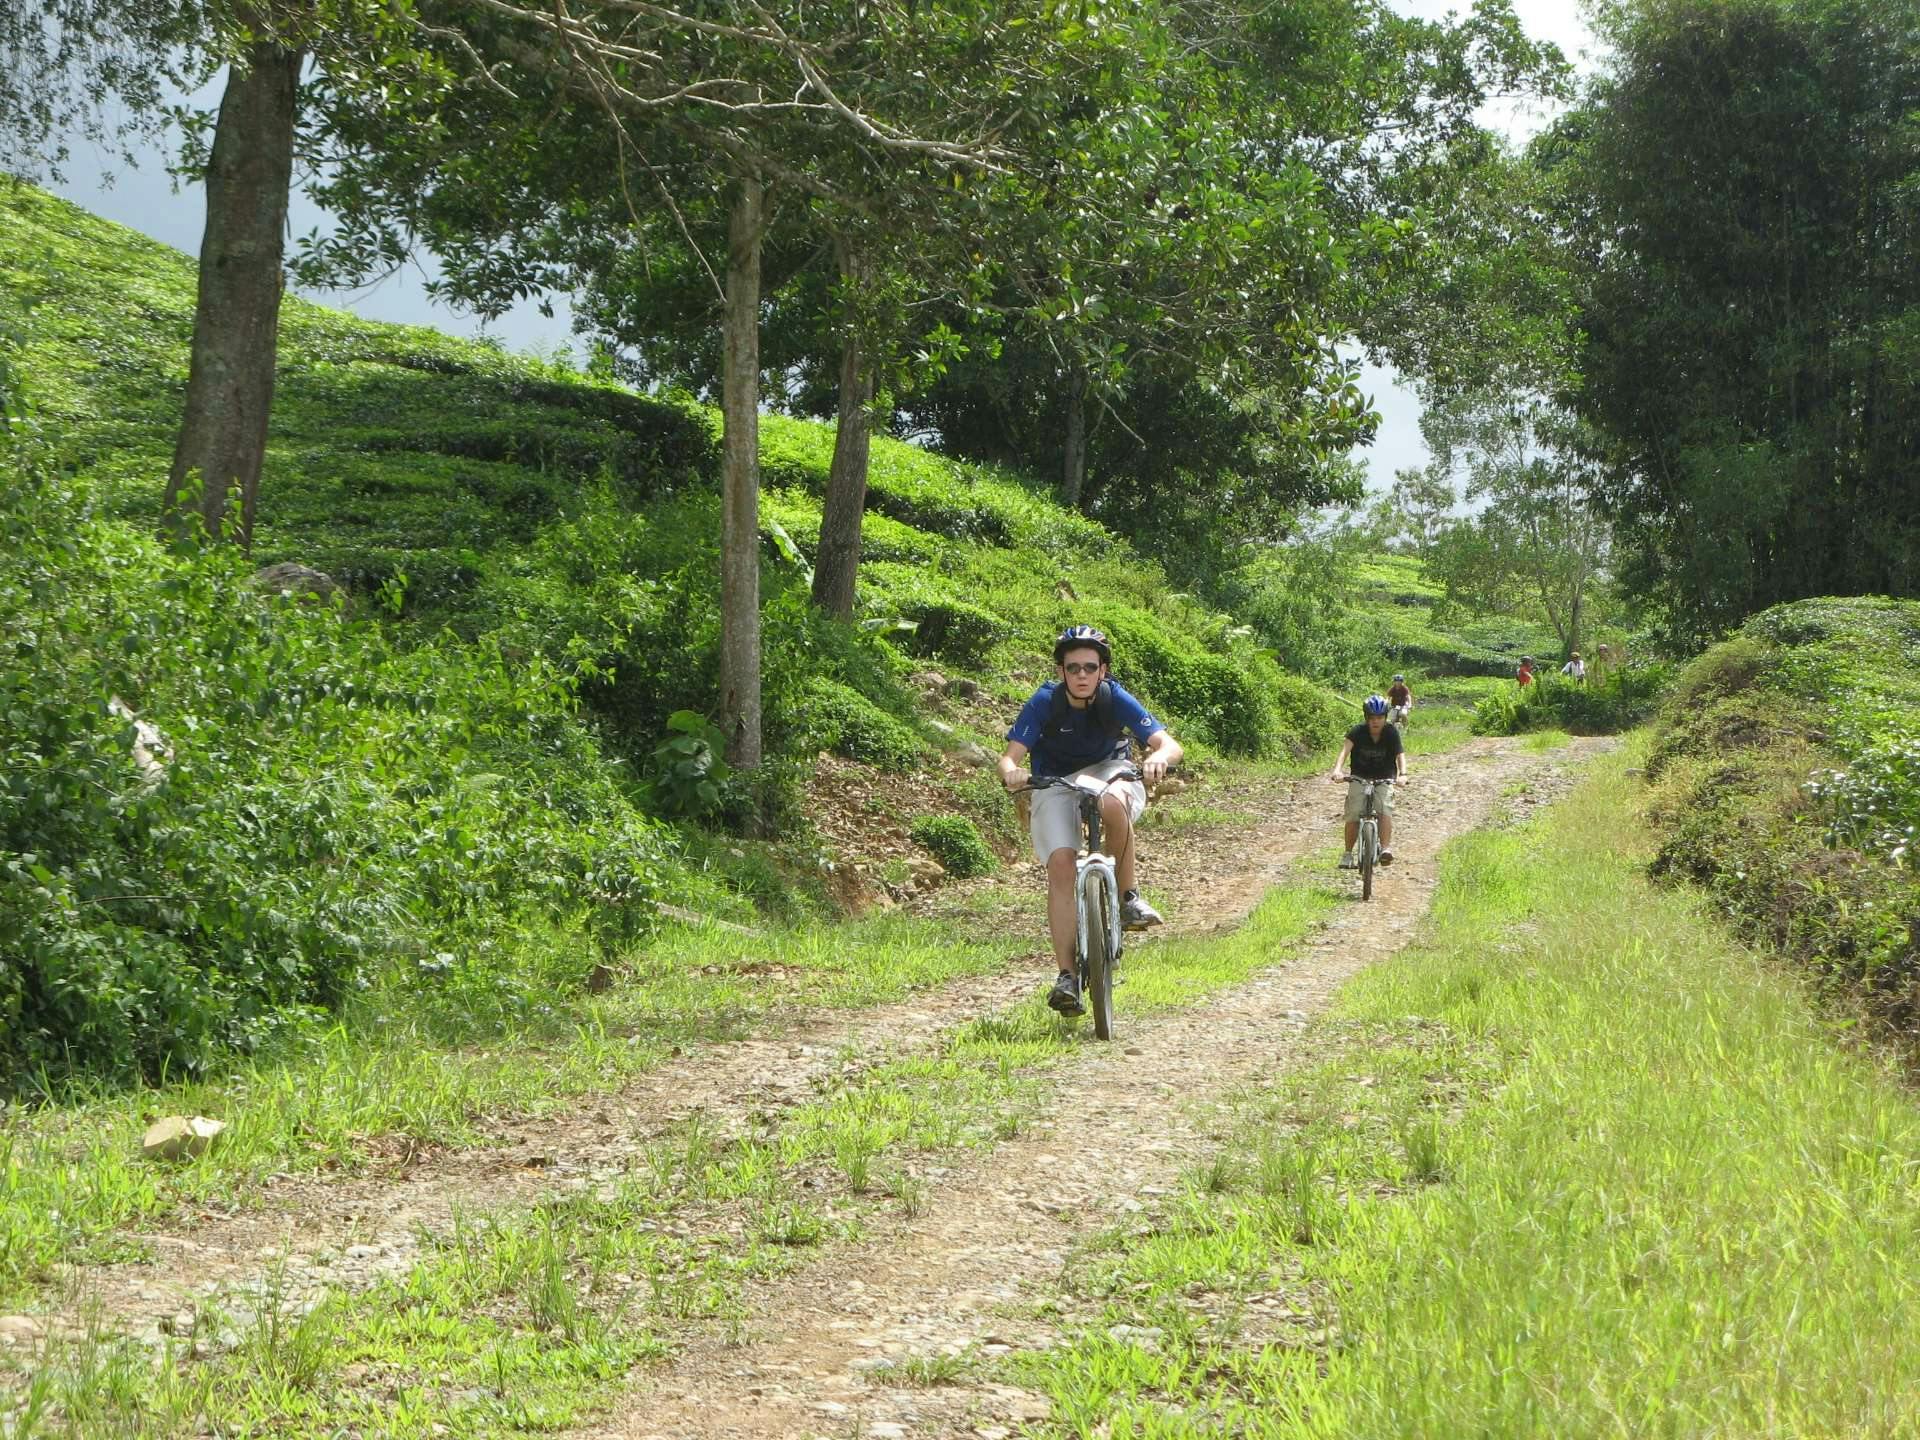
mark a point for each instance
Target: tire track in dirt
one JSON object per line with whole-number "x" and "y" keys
{"x": 309, "y": 1234}
{"x": 1128, "y": 1119}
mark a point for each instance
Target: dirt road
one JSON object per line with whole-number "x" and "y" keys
{"x": 1127, "y": 1119}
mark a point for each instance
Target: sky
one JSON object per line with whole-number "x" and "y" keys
{"x": 145, "y": 199}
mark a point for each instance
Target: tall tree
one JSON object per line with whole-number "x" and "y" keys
{"x": 869, "y": 109}
{"x": 98, "y": 70}
{"x": 1180, "y": 369}
{"x": 1420, "y": 506}
{"x": 1534, "y": 544}
{"x": 107, "y": 70}
{"x": 1751, "y": 173}
{"x": 236, "y": 324}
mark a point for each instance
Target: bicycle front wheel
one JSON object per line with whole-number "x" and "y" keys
{"x": 1097, "y": 982}
{"x": 1369, "y": 848}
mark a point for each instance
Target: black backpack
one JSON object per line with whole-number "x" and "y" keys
{"x": 1106, "y": 714}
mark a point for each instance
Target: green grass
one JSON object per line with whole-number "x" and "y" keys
{"x": 1575, "y": 1165}
{"x": 70, "y": 1175}
{"x": 525, "y": 1322}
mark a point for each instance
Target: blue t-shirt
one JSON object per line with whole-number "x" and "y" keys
{"x": 1080, "y": 741}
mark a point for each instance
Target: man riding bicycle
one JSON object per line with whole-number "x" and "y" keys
{"x": 1077, "y": 726}
{"x": 1372, "y": 752}
{"x": 1399, "y": 701}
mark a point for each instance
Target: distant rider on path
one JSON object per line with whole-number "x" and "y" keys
{"x": 1078, "y": 726}
{"x": 1399, "y": 701}
{"x": 1372, "y": 752}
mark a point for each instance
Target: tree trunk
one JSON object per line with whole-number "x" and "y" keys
{"x": 837, "y": 565}
{"x": 1073, "y": 472}
{"x": 740, "y": 483}
{"x": 236, "y": 320}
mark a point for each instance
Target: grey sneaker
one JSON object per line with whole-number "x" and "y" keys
{"x": 1347, "y": 862}
{"x": 1386, "y": 857}
{"x": 1065, "y": 995}
{"x": 1135, "y": 913}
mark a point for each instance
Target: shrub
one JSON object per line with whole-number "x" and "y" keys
{"x": 1873, "y": 804}
{"x": 955, "y": 631}
{"x": 955, "y": 842}
{"x": 1599, "y": 707}
{"x": 841, "y": 719}
{"x": 335, "y": 810}
{"x": 1731, "y": 668}
{"x": 689, "y": 773}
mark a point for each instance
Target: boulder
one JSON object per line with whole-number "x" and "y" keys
{"x": 975, "y": 754}
{"x": 961, "y": 688}
{"x": 931, "y": 680}
{"x": 300, "y": 582}
{"x": 178, "y": 1136}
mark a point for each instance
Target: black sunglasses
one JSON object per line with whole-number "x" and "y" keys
{"x": 1082, "y": 667}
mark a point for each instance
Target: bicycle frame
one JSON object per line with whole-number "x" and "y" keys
{"x": 1091, "y": 869}
{"x": 1368, "y": 839}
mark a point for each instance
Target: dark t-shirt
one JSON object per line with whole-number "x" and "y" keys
{"x": 1373, "y": 759}
{"x": 1080, "y": 742}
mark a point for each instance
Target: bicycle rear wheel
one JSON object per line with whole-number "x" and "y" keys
{"x": 1097, "y": 983}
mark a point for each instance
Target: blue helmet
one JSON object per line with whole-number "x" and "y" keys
{"x": 1374, "y": 705}
{"x": 1082, "y": 637}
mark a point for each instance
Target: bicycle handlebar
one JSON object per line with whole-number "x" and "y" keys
{"x": 1051, "y": 782}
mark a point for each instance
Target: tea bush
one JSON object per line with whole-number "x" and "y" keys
{"x": 315, "y": 810}
{"x": 841, "y": 719}
{"x": 955, "y": 842}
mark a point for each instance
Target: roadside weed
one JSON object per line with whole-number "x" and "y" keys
{"x": 924, "y": 1371}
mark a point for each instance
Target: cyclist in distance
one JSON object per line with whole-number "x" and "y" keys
{"x": 1399, "y": 701}
{"x": 1524, "y": 675}
{"x": 1078, "y": 725}
{"x": 1371, "y": 751}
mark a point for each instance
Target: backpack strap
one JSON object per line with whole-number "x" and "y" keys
{"x": 1106, "y": 714}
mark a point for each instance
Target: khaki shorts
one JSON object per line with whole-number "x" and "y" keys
{"x": 1054, "y": 818}
{"x": 1357, "y": 799}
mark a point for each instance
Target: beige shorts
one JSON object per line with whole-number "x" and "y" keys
{"x": 1357, "y": 799}
{"x": 1054, "y": 819}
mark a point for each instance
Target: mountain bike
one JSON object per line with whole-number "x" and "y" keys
{"x": 1367, "y": 843}
{"x": 1098, "y": 936}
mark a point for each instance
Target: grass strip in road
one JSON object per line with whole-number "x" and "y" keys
{"x": 1574, "y": 1165}
{"x": 526, "y": 1322}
